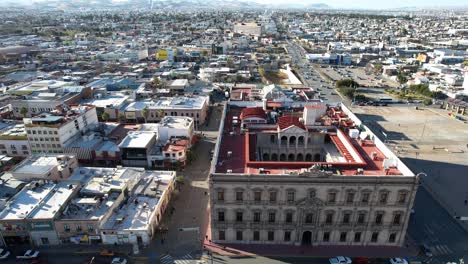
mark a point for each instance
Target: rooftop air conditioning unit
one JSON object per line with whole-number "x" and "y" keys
{"x": 229, "y": 154}
{"x": 261, "y": 170}
{"x": 360, "y": 171}
{"x": 229, "y": 171}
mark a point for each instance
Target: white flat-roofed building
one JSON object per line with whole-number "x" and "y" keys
{"x": 135, "y": 148}
{"x": 45, "y": 167}
{"x": 136, "y": 221}
{"x": 14, "y": 141}
{"x": 195, "y": 107}
{"x": 51, "y": 132}
{"x": 251, "y": 29}
{"x": 41, "y": 219}
{"x": 174, "y": 126}
{"x": 108, "y": 104}
{"x": 178, "y": 85}
{"x": 28, "y": 217}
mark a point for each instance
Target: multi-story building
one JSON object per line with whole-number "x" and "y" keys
{"x": 14, "y": 141}
{"x": 320, "y": 177}
{"x": 195, "y": 107}
{"x": 51, "y": 132}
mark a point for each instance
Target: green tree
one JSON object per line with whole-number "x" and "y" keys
{"x": 23, "y": 111}
{"x": 401, "y": 78}
{"x": 105, "y": 116}
{"x": 121, "y": 117}
{"x": 179, "y": 181}
{"x": 378, "y": 68}
{"x": 346, "y": 83}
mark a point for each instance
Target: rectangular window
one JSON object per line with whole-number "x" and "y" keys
{"x": 220, "y": 196}
{"x": 383, "y": 198}
{"x": 221, "y": 235}
{"x": 291, "y": 196}
{"x": 90, "y": 228}
{"x": 66, "y": 228}
{"x": 378, "y": 218}
{"x": 271, "y": 217}
{"x": 326, "y": 236}
{"x": 357, "y": 237}
{"x": 256, "y": 235}
{"x": 257, "y": 196}
{"x": 329, "y": 218}
{"x": 331, "y": 197}
{"x": 78, "y": 228}
{"x": 257, "y": 217}
{"x": 346, "y": 218}
{"x": 289, "y": 217}
{"x": 239, "y": 235}
{"x": 45, "y": 240}
{"x": 309, "y": 218}
{"x": 271, "y": 235}
{"x": 221, "y": 216}
{"x": 287, "y": 236}
{"x": 350, "y": 198}
{"x": 239, "y": 216}
{"x": 361, "y": 218}
{"x": 402, "y": 198}
{"x": 392, "y": 238}
{"x": 343, "y": 236}
{"x": 273, "y": 196}
{"x": 375, "y": 237}
{"x": 239, "y": 196}
{"x": 397, "y": 219}
{"x": 365, "y": 198}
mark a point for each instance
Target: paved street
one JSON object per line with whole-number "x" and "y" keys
{"x": 433, "y": 226}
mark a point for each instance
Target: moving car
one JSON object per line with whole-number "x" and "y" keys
{"x": 4, "y": 253}
{"x": 119, "y": 261}
{"x": 398, "y": 261}
{"x": 30, "y": 254}
{"x": 340, "y": 260}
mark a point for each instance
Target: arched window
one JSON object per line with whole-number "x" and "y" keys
{"x": 300, "y": 140}
{"x": 317, "y": 157}
{"x": 272, "y": 138}
{"x": 283, "y": 157}
{"x": 308, "y": 157}
{"x": 274, "y": 157}
{"x": 266, "y": 157}
{"x": 291, "y": 157}
{"x": 300, "y": 157}
{"x": 292, "y": 140}
{"x": 284, "y": 140}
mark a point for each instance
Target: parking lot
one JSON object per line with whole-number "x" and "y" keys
{"x": 358, "y": 74}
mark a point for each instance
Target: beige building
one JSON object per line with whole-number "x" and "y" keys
{"x": 313, "y": 179}
{"x": 50, "y": 167}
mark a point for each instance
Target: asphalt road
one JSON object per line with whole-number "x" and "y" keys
{"x": 309, "y": 76}
{"x": 433, "y": 226}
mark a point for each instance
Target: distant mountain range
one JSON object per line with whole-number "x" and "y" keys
{"x": 157, "y": 4}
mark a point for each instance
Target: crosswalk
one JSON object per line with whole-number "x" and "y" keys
{"x": 185, "y": 259}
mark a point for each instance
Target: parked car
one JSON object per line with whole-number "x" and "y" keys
{"x": 425, "y": 249}
{"x": 119, "y": 261}
{"x": 362, "y": 260}
{"x": 340, "y": 260}
{"x": 398, "y": 261}
{"x": 4, "y": 253}
{"x": 30, "y": 254}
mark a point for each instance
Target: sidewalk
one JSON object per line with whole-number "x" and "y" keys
{"x": 309, "y": 251}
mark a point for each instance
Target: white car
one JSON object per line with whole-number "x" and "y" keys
{"x": 340, "y": 260}
{"x": 30, "y": 254}
{"x": 398, "y": 261}
{"x": 119, "y": 261}
{"x": 4, "y": 253}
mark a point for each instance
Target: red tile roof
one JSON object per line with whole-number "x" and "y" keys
{"x": 287, "y": 121}
{"x": 251, "y": 112}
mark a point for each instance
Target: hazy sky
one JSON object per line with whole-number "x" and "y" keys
{"x": 375, "y": 4}
{"x": 371, "y": 4}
